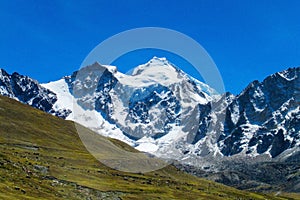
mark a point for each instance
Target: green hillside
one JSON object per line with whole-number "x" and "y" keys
{"x": 42, "y": 157}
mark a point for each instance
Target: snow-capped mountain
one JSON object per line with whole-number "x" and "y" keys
{"x": 161, "y": 110}
{"x": 265, "y": 117}
{"x": 262, "y": 123}
{"x": 153, "y": 108}
{"x": 28, "y": 91}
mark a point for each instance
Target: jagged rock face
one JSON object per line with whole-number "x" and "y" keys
{"x": 5, "y": 85}
{"x": 28, "y": 91}
{"x": 141, "y": 105}
{"x": 271, "y": 108}
{"x": 91, "y": 87}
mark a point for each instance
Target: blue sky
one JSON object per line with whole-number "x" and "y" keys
{"x": 247, "y": 40}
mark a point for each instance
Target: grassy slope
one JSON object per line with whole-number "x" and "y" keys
{"x": 42, "y": 157}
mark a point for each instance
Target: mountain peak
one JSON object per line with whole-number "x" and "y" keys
{"x": 153, "y": 65}
{"x": 162, "y": 60}
{"x": 290, "y": 73}
{"x": 96, "y": 66}
{"x": 3, "y": 73}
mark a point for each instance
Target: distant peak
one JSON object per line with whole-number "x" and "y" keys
{"x": 290, "y": 73}
{"x": 3, "y": 72}
{"x": 96, "y": 66}
{"x": 162, "y": 59}
{"x": 158, "y": 61}
{"x": 154, "y": 62}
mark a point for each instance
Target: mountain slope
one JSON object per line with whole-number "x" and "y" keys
{"x": 42, "y": 157}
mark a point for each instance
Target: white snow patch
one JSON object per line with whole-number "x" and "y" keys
{"x": 64, "y": 97}
{"x": 235, "y": 114}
